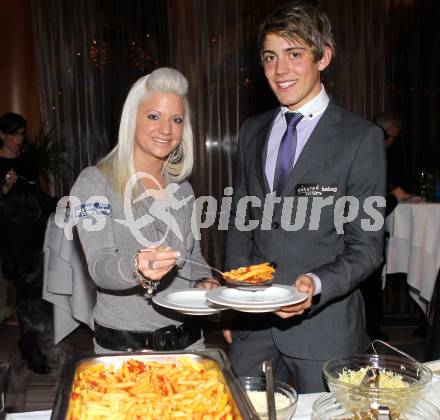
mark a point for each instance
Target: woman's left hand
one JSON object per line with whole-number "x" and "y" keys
{"x": 9, "y": 181}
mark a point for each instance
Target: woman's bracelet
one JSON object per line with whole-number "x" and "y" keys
{"x": 149, "y": 285}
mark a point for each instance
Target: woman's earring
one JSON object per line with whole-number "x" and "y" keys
{"x": 173, "y": 155}
{"x": 176, "y": 154}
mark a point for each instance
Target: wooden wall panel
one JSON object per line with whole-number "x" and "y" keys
{"x": 18, "y": 73}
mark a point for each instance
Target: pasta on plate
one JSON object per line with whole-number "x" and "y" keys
{"x": 253, "y": 274}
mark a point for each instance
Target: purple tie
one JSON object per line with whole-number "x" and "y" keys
{"x": 286, "y": 151}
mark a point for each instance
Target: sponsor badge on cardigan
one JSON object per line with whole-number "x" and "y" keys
{"x": 92, "y": 209}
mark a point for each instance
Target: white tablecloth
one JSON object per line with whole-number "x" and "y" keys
{"x": 414, "y": 246}
{"x": 303, "y": 410}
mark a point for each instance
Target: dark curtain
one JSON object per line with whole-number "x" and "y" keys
{"x": 414, "y": 82}
{"x": 388, "y": 60}
{"x": 89, "y": 52}
{"x": 213, "y": 44}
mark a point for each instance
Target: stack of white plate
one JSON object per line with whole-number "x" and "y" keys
{"x": 206, "y": 302}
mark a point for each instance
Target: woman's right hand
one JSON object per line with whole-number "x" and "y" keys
{"x": 154, "y": 263}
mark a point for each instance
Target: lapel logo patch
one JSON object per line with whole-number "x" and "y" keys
{"x": 316, "y": 190}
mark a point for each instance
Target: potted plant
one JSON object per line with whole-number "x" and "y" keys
{"x": 47, "y": 156}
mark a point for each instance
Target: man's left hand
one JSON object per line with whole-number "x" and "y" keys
{"x": 304, "y": 284}
{"x": 207, "y": 284}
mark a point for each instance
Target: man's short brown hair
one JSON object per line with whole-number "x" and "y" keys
{"x": 302, "y": 21}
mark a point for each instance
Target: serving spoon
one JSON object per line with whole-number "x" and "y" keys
{"x": 202, "y": 265}
{"x": 231, "y": 282}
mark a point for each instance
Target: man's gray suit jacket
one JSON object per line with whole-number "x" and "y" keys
{"x": 344, "y": 156}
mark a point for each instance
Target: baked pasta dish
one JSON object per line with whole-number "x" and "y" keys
{"x": 185, "y": 389}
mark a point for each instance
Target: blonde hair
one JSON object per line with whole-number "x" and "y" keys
{"x": 118, "y": 165}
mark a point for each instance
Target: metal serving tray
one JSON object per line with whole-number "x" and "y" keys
{"x": 237, "y": 393}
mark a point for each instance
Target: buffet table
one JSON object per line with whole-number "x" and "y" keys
{"x": 303, "y": 410}
{"x": 414, "y": 246}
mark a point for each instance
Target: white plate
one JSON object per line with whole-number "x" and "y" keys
{"x": 268, "y": 295}
{"x": 188, "y": 301}
{"x": 266, "y": 300}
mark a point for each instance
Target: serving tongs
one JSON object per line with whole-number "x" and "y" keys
{"x": 270, "y": 393}
{"x": 372, "y": 376}
{"x": 393, "y": 348}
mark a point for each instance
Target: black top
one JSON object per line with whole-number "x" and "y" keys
{"x": 22, "y": 165}
{"x": 23, "y": 212}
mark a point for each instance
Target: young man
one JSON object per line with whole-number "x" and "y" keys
{"x": 320, "y": 167}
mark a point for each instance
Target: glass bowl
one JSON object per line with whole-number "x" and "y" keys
{"x": 363, "y": 398}
{"x": 433, "y": 393}
{"x": 327, "y": 407}
{"x": 250, "y": 383}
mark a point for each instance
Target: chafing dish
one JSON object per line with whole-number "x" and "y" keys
{"x": 217, "y": 359}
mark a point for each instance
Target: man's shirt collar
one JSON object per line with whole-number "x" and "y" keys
{"x": 315, "y": 107}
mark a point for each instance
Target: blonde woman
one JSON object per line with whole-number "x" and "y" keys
{"x": 127, "y": 247}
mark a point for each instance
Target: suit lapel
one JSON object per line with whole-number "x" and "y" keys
{"x": 324, "y": 130}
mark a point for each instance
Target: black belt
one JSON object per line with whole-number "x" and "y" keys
{"x": 166, "y": 338}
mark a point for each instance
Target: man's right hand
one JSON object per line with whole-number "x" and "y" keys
{"x": 305, "y": 284}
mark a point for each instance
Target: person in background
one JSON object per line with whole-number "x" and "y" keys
{"x": 371, "y": 288}
{"x": 308, "y": 148}
{"x": 391, "y": 125}
{"x": 24, "y": 209}
{"x": 136, "y": 246}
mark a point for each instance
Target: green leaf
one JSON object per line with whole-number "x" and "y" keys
{"x": 48, "y": 155}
